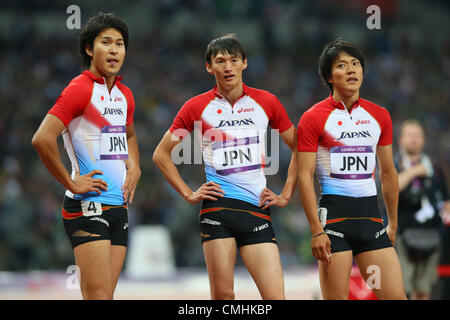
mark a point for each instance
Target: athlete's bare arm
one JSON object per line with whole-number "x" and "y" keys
{"x": 132, "y": 163}
{"x": 389, "y": 187}
{"x": 290, "y": 139}
{"x": 163, "y": 160}
{"x": 320, "y": 245}
{"x": 46, "y": 145}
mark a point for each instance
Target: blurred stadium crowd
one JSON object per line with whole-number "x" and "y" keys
{"x": 407, "y": 71}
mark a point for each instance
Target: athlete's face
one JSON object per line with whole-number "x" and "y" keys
{"x": 227, "y": 69}
{"x": 108, "y": 53}
{"x": 412, "y": 139}
{"x": 346, "y": 74}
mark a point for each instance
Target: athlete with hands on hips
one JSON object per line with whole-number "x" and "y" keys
{"x": 94, "y": 114}
{"x": 235, "y": 210}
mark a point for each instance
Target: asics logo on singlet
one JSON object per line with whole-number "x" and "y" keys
{"x": 233, "y": 123}
{"x": 246, "y": 110}
{"x": 113, "y": 111}
{"x": 354, "y": 134}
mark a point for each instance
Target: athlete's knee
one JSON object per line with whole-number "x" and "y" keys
{"x": 391, "y": 295}
{"x": 335, "y": 296}
{"x": 274, "y": 296}
{"x": 97, "y": 293}
{"x": 222, "y": 294}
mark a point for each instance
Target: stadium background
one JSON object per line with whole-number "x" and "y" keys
{"x": 407, "y": 71}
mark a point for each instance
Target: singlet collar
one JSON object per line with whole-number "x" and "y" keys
{"x": 341, "y": 105}
{"x": 100, "y": 80}
{"x": 217, "y": 94}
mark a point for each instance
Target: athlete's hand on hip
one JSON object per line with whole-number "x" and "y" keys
{"x": 272, "y": 198}
{"x": 391, "y": 233}
{"x": 209, "y": 190}
{"x": 129, "y": 186}
{"x": 321, "y": 247}
{"x": 86, "y": 183}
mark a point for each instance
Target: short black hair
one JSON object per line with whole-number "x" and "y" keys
{"x": 330, "y": 53}
{"x": 96, "y": 25}
{"x": 225, "y": 44}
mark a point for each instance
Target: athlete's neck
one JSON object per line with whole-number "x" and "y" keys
{"x": 231, "y": 94}
{"x": 108, "y": 79}
{"x": 347, "y": 99}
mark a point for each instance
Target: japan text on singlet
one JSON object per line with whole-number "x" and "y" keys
{"x": 346, "y": 144}
{"x": 233, "y": 137}
{"x": 95, "y": 135}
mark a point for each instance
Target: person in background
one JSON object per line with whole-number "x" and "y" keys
{"x": 423, "y": 197}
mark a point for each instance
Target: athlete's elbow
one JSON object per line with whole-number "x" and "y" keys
{"x": 158, "y": 158}
{"x": 41, "y": 143}
{"x": 36, "y": 141}
{"x": 388, "y": 175}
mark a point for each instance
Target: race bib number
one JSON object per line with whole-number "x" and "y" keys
{"x": 237, "y": 155}
{"x": 91, "y": 208}
{"x": 114, "y": 144}
{"x": 352, "y": 162}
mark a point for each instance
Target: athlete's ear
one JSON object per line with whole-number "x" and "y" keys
{"x": 330, "y": 79}
{"x": 245, "y": 64}
{"x": 209, "y": 68}
{"x": 88, "y": 50}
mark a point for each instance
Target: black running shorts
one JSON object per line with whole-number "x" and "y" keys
{"x": 353, "y": 223}
{"x": 232, "y": 218}
{"x": 86, "y": 221}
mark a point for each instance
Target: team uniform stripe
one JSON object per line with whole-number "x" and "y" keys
{"x": 72, "y": 215}
{"x": 354, "y": 218}
{"x": 260, "y": 215}
{"x": 210, "y": 210}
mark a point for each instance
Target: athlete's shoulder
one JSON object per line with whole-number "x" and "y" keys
{"x": 122, "y": 86}
{"x": 201, "y": 100}
{"x": 260, "y": 95}
{"x": 372, "y": 106}
{"x": 380, "y": 113}
{"x": 80, "y": 85}
{"x": 195, "y": 105}
{"x": 74, "y": 98}
{"x": 274, "y": 109}
{"x": 126, "y": 92}
{"x": 319, "y": 111}
{"x": 383, "y": 118}
{"x": 191, "y": 111}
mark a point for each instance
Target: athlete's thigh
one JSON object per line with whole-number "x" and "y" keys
{"x": 264, "y": 264}
{"x": 335, "y": 275}
{"x": 382, "y": 263}
{"x": 94, "y": 260}
{"x": 118, "y": 254}
{"x": 220, "y": 258}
